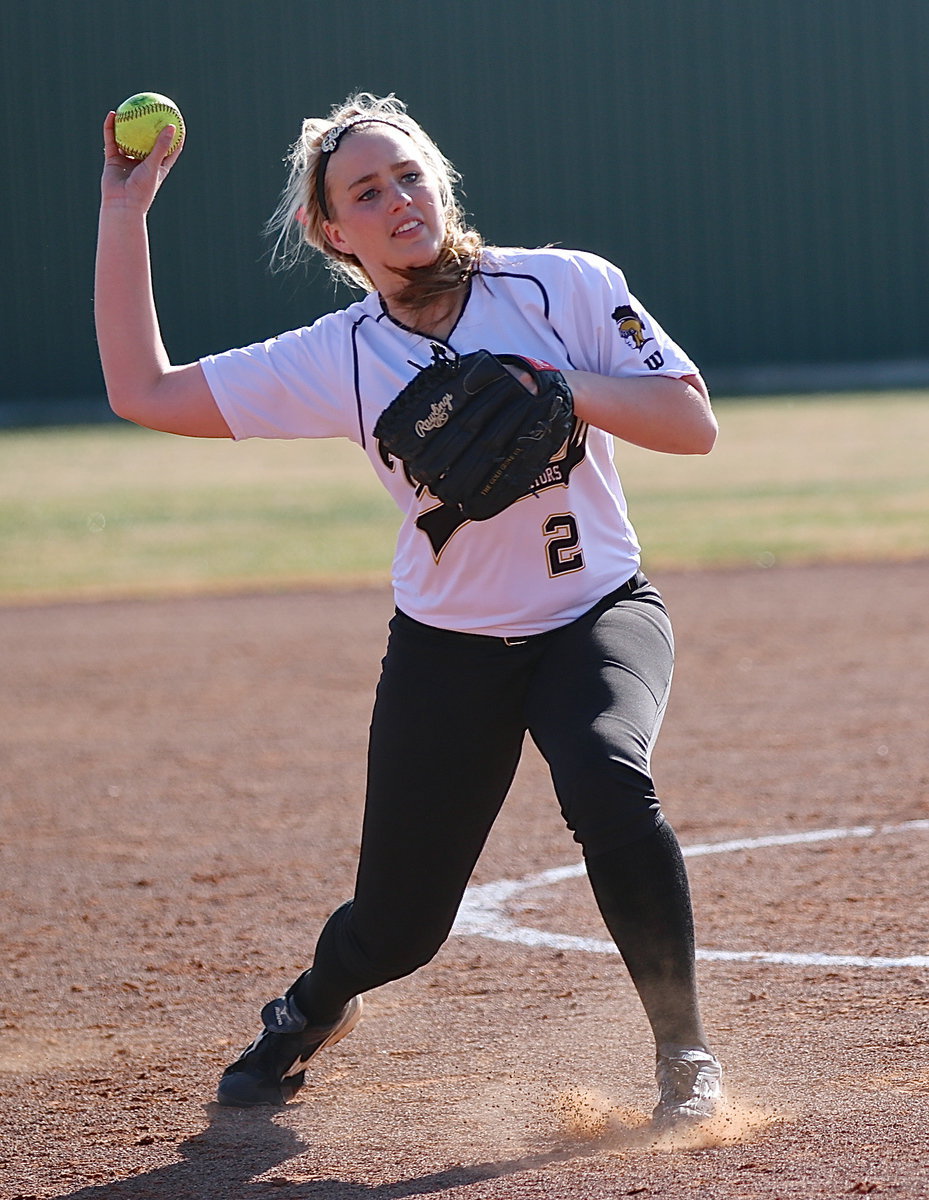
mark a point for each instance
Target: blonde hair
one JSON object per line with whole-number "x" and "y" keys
{"x": 297, "y": 222}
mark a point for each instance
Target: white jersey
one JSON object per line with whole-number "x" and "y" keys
{"x": 553, "y": 554}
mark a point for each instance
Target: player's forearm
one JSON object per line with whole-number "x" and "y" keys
{"x": 132, "y": 353}
{"x": 657, "y": 412}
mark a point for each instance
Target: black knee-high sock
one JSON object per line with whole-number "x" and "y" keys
{"x": 322, "y": 992}
{"x": 644, "y": 897}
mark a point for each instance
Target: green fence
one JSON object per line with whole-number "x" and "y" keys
{"x": 758, "y": 167}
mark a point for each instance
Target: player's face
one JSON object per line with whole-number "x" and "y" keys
{"x": 385, "y": 204}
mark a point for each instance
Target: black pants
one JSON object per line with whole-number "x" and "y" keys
{"x": 449, "y": 720}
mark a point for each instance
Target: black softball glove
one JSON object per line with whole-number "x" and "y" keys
{"x": 473, "y": 433}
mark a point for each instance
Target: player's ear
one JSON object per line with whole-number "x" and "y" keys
{"x": 334, "y": 237}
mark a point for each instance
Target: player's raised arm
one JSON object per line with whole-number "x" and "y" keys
{"x": 141, "y": 383}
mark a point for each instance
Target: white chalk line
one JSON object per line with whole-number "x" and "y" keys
{"x": 483, "y": 909}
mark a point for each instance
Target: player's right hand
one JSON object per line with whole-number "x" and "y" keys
{"x": 135, "y": 182}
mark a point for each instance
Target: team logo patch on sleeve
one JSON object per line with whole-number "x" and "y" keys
{"x": 630, "y": 326}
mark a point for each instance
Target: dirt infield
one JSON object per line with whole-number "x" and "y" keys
{"x": 180, "y": 783}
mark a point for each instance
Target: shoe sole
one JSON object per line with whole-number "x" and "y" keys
{"x": 680, "y": 1120}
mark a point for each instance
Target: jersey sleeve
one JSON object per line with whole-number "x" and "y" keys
{"x": 612, "y": 332}
{"x": 288, "y": 387}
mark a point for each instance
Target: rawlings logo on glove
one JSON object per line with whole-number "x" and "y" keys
{"x": 438, "y": 415}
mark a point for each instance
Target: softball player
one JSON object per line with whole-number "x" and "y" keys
{"x": 537, "y": 621}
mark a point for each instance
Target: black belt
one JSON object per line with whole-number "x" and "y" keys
{"x": 607, "y": 601}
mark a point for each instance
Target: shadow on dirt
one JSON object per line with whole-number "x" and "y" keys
{"x": 235, "y": 1156}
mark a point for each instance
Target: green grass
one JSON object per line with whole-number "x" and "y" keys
{"x": 115, "y": 510}
{"x": 791, "y": 480}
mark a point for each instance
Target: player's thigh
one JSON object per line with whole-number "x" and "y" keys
{"x": 446, "y": 736}
{"x": 595, "y": 709}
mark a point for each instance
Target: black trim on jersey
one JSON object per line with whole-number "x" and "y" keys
{"x": 356, "y": 371}
{"x": 418, "y": 332}
{"x": 547, "y": 308}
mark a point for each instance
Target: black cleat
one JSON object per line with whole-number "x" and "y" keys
{"x": 690, "y": 1087}
{"x": 271, "y": 1070}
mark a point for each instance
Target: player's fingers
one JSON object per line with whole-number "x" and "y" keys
{"x": 151, "y": 171}
{"x": 170, "y": 133}
{"x": 161, "y": 152}
{"x": 110, "y": 149}
{"x": 136, "y": 179}
{"x": 158, "y": 155}
{"x": 524, "y": 378}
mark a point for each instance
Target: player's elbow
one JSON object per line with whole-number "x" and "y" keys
{"x": 702, "y": 426}
{"x": 120, "y": 403}
{"x": 178, "y": 401}
{"x": 705, "y": 435}
{"x": 126, "y": 404}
